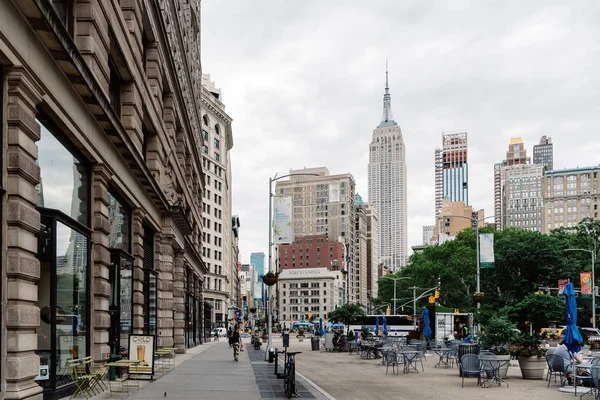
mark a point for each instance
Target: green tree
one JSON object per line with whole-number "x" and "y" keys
{"x": 537, "y": 309}
{"x": 348, "y": 314}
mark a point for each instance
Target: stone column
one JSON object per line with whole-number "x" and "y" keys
{"x": 132, "y": 114}
{"x": 165, "y": 290}
{"x": 137, "y": 249}
{"x": 101, "y": 286}
{"x": 92, "y": 39}
{"x": 178, "y": 300}
{"x": 23, "y": 223}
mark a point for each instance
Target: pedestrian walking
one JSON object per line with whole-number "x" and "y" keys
{"x": 235, "y": 341}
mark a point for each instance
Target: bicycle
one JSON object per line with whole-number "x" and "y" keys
{"x": 289, "y": 379}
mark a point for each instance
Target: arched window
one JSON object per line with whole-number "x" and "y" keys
{"x": 217, "y": 130}
{"x": 205, "y": 119}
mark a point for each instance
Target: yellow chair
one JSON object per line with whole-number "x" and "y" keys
{"x": 80, "y": 378}
{"x": 97, "y": 375}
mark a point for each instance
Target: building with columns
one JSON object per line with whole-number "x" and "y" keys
{"x": 102, "y": 181}
{"x": 219, "y": 240}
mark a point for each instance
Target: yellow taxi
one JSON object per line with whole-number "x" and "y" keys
{"x": 550, "y": 333}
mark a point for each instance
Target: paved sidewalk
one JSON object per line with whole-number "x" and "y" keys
{"x": 212, "y": 374}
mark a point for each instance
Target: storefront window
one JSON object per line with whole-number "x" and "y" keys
{"x": 63, "y": 179}
{"x": 64, "y": 254}
{"x": 121, "y": 275}
{"x": 149, "y": 282}
{"x": 119, "y": 220}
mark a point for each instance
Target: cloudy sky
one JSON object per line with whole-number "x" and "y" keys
{"x": 303, "y": 82}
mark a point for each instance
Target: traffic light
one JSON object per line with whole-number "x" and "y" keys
{"x": 431, "y": 299}
{"x": 437, "y": 294}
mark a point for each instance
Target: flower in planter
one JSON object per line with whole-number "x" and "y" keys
{"x": 527, "y": 346}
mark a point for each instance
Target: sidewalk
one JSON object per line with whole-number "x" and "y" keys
{"x": 212, "y": 374}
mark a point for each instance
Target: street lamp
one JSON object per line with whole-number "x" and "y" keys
{"x": 395, "y": 280}
{"x": 270, "y": 303}
{"x": 476, "y": 222}
{"x": 593, "y": 252}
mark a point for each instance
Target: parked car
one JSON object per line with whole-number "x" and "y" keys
{"x": 551, "y": 333}
{"x": 220, "y": 332}
{"x": 594, "y": 333}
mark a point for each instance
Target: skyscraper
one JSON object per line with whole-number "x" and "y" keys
{"x": 324, "y": 203}
{"x": 517, "y": 190}
{"x": 451, "y": 170}
{"x": 258, "y": 260}
{"x": 543, "y": 153}
{"x": 387, "y": 186}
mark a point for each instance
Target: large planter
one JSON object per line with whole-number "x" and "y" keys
{"x": 269, "y": 280}
{"x": 478, "y": 298}
{"x": 532, "y": 367}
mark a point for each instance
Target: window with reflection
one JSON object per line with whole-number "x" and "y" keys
{"x": 150, "y": 282}
{"x": 64, "y": 255}
{"x": 120, "y": 275}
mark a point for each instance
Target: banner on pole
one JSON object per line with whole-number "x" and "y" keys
{"x": 561, "y": 285}
{"x": 283, "y": 231}
{"x": 586, "y": 282}
{"x": 486, "y": 250}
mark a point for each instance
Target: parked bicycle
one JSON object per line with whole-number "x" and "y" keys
{"x": 289, "y": 380}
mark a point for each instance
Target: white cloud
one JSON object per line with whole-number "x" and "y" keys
{"x": 304, "y": 81}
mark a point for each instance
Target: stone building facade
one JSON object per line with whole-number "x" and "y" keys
{"x": 102, "y": 183}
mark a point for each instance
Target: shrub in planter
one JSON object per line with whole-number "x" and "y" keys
{"x": 499, "y": 333}
{"x": 532, "y": 357}
{"x": 478, "y": 297}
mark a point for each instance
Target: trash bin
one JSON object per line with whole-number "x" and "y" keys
{"x": 112, "y": 373}
{"x": 314, "y": 343}
{"x": 466, "y": 348}
{"x": 271, "y": 355}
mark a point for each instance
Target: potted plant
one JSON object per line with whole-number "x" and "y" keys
{"x": 499, "y": 333}
{"x": 478, "y": 297}
{"x": 532, "y": 361}
{"x": 270, "y": 278}
{"x": 252, "y": 310}
{"x": 300, "y": 335}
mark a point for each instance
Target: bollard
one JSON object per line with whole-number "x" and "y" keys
{"x": 271, "y": 355}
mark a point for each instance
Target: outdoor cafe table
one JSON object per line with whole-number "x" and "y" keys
{"x": 410, "y": 359}
{"x": 123, "y": 364}
{"x": 442, "y": 353}
{"x": 493, "y": 363}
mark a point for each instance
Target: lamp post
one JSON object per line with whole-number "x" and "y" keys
{"x": 395, "y": 280}
{"x": 268, "y": 289}
{"x": 476, "y": 222}
{"x": 593, "y": 253}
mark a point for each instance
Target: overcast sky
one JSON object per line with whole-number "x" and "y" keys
{"x": 304, "y": 81}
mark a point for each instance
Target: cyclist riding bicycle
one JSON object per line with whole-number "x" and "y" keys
{"x": 236, "y": 341}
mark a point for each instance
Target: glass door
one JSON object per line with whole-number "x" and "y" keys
{"x": 63, "y": 296}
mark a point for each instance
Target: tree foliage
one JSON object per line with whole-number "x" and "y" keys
{"x": 348, "y": 314}
{"x": 524, "y": 262}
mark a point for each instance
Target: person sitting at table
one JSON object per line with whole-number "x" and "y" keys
{"x": 565, "y": 355}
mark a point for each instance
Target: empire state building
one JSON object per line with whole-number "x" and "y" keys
{"x": 387, "y": 186}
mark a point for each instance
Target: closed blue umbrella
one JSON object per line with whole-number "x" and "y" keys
{"x": 385, "y": 330}
{"x": 321, "y": 330}
{"x": 427, "y": 329}
{"x": 376, "y": 326}
{"x": 572, "y": 338}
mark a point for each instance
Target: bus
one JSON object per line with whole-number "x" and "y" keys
{"x": 397, "y": 325}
